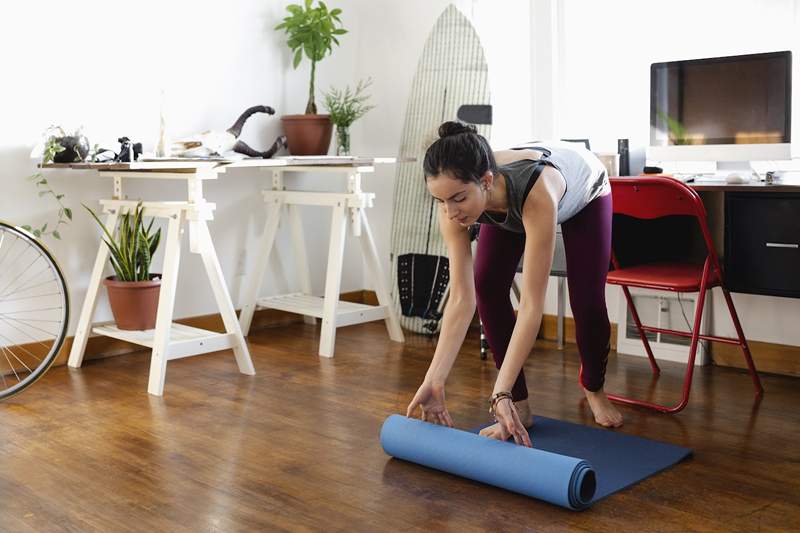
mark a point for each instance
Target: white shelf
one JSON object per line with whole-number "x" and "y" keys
{"x": 347, "y": 313}
{"x": 185, "y": 341}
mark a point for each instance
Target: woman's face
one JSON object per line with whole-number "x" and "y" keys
{"x": 461, "y": 202}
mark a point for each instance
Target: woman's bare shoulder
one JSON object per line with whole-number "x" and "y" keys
{"x": 504, "y": 157}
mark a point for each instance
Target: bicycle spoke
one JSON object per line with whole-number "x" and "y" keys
{"x": 18, "y": 359}
{"x": 36, "y": 319}
{"x": 35, "y": 340}
{"x": 3, "y": 292}
{"x": 24, "y": 271}
{"x": 31, "y": 310}
{"x": 30, "y": 286}
{"x": 30, "y": 297}
{"x": 8, "y": 250}
{"x": 26, "y": 323}
{"x": 39, "y": 359}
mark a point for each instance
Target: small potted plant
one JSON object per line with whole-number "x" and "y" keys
{"x": 133, "y": 291}
{"x": 49, "y": 152}
{"x": 75, "y": 147}
{"x": 346, "y": 106}
{"x": 311, "y": 32}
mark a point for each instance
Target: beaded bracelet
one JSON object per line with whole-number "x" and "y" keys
{"x": 496, "y": 397}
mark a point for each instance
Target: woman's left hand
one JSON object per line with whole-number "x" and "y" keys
{"x": 506, "y": 414}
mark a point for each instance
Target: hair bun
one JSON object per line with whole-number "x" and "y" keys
{"x": 454, "y": 128}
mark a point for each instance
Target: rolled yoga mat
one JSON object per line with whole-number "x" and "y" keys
{"x": 570, "y": 465}
{"x": 559, "y": 479}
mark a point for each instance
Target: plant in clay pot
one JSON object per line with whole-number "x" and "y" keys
{"x": 311, "y": 32}
{"x": 133, "y": 290}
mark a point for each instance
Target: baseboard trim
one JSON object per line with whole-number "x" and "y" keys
{"x": 768, "y": 357}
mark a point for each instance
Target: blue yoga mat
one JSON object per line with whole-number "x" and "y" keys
{"x": 570, "y": 465}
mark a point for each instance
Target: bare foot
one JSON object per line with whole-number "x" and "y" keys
{"x": 604, "y": 411}
{"x": 524, "y": 412}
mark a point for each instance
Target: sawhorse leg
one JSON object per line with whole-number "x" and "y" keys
{"x": 221, "y": 294}
{"x": 253, "y": 285}
{"x": 90, "y": 302}
{"x": 300, "y": 255}
{"x": 378, "y": 280}
{"x": 166, "y": 306}
{"x": 333, "y": 281}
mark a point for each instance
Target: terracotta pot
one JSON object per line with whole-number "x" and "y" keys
{"x": 308, "y": 134}
{"x": 134, "y": 304}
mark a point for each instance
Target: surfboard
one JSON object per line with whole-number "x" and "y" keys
{"x": 451, "y": 73}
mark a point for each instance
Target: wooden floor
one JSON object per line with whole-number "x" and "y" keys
{"x": 296, "y": 447}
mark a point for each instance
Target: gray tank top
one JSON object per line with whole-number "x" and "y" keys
{"x": 583, "y": 172}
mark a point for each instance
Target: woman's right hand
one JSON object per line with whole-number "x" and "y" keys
{"x": 430, "y": 399}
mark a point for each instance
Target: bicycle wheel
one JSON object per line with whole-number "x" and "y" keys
{"x": 34, "y": 310}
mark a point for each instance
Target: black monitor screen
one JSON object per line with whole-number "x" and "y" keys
{"x": 723, "y": 100}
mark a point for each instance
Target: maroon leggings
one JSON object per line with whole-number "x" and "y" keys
{"x": 587, "y": 245}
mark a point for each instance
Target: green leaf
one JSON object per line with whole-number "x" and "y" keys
{"x": 42, "y": 193}
{"x": 57, "y": 235}
{"x": 298, "y": 57}
{"x": 308, "y": 4}
{"x": 44, "y": 228}
{"x": 280, "y": 26}
{"x": 335, "y": 12}
{"x": 339, "y": 32}
{"x": 154, "y": 240}
{"x": 68, "y": 212}
{"x": 37, "y": 233}
{"x": 27, "y": 227}
{"x": 59, "y": 196}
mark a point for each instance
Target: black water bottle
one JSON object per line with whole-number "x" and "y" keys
{"x": 624, "y": 157}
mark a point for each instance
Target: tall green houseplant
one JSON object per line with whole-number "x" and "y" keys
{"x": 311, "y": 31}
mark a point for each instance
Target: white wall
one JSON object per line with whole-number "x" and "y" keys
{"x": 103, "y": 65}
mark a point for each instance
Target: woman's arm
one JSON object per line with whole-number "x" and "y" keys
{"x": 458, "y": 312}
{"x": 539, "y": 217}
{"x": 460, "y": 306}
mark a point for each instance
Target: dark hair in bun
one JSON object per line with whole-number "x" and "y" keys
{"x": 454, "y": 128}
{"x": 461, "y": 151}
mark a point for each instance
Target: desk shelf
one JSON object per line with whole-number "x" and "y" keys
{"x": 185, "y": 341}
{"x": 347, "y": 313}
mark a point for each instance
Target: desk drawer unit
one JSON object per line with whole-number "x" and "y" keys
{"x": 762, "y": 243}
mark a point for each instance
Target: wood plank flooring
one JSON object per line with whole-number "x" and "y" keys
{"x": 295, "y": 448}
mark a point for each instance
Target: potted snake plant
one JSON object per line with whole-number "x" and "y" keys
{"x": 311, "y": 31}
{"x": 133, "y": 290}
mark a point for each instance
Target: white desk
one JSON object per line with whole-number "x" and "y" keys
{"x": 168, "y": 340}
{"x": 348, "y": 207}
{"x": 171, "y": 341}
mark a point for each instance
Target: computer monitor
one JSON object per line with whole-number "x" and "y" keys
{"x": 723, "y": 109}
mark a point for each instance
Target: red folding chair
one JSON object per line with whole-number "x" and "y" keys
{"x": 654, "y": 197}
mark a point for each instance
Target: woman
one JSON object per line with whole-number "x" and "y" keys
{"x": 519, "y": 197}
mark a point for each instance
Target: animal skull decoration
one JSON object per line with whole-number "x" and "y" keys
{"x": 216, "y": 143}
